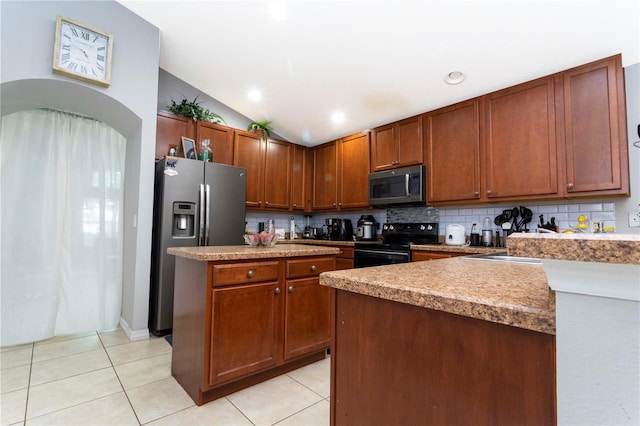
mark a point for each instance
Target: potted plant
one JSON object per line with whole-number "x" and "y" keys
{"x": 193, "y": 109}
{"x": 263, "y": 126}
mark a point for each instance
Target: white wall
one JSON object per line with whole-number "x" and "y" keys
{"x": 128, "y": 105}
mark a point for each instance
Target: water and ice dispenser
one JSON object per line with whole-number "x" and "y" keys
{"x": 184, "y": 215}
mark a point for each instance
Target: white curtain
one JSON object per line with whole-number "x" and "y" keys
{"x": 61, "y": 222}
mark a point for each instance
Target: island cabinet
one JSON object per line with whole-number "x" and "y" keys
{"x": 397, "y": 144}
{"x": 341, "y": 173}
{"x": 240, "y": 322}
{"x": 399, "y": 364}
{"x": 595, "y": 132}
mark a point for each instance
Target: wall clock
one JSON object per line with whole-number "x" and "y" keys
{"x": 82, "y": 52}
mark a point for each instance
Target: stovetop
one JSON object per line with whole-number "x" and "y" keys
{"x": 410, "y": 233}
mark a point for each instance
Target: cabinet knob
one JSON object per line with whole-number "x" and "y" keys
{"x": 266, "y": 203}
{"x": 290, "y": 289}
{"x": 250, "y": 273}
{"x": 313, "y": 268}
{"x": 488, "y": 192}
{"x": 334, "y": 204}
{"x": 339, "y": 204}
{"x": 570, "y": 185}
{"x": 277, "y": 290}
{"x": 294, "y": 204}
{"x": 476, "y": 193}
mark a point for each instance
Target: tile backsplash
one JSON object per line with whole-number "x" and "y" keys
{"x": 566, "y": 215}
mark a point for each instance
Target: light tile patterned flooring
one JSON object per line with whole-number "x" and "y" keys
{"x": 105, "y": 379}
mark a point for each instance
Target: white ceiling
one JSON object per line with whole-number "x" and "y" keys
{"x": 377, "y": 61}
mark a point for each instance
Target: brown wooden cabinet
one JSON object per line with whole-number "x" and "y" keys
{"x": 420, "y": 255}
{"x": 595, "y": 132}
{"x": 169, "y": 131}
{"x": 248, "y": 152}
{"x": 397, "y": 144}
{"x": 520, "y": 144}
{"x": 238, "y": 323}
{"x": 452, "y": 136}
{"x": 325, "y": 177}
{"x": 276, "y": 184}
{"x": 299, "y": 177}
{"x": 341, "y": 174}
{"x": 221, "y": 138}
{"x": 353, "y": 171}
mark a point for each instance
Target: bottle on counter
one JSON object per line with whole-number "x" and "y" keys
{"x": 475, "y": 236}
{"x": 292, "y": 229}
{"x": 271, "y": 227}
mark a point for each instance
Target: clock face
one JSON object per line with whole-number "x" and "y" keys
{"x": 82, "y": 52}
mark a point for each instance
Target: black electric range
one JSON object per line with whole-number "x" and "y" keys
{"x": 397, "y": 239}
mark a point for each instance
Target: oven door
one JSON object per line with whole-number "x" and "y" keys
{"x": 364, "y": 257}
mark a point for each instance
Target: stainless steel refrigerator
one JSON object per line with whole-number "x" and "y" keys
{"x": 196, "y": 203}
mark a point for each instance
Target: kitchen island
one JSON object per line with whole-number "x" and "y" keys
{"x": 452, "y": 341}
{"x": 243, "y": 315}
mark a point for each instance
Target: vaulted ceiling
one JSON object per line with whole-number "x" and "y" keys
{"x": 377, "y": 61}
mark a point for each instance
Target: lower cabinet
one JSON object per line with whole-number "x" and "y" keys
{"x": 238, "y": 323}
{"x": 419, "y": 255}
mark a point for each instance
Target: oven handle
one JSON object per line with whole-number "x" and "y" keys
{"x": 381, "y": 252}
{"x": 406, "y": 183}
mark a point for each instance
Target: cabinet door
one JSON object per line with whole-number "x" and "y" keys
{"x": 245, "y": 324}
{"x": 169, "y": 131}
{"x": 307, "y": 317}
{"x": 325, "y": 177}
{"x": 410, "y": 142}
{"x": 248, "y": 152}
{"x": 221, "y": 138}
{"x": 595, "y": 129}
{"x": 354, "y": 171}
{"x": 298, "y": 177}
{"x": 277, "y": 174}
{"x": 520, "y": 141}
{"x": 453, "y": 153}
{"x": 384, "y": 153}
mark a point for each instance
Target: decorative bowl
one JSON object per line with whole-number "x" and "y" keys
{"x": 261, "y": 240}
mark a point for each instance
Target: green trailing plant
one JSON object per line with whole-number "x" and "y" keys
{"x": 264, "y": 126}
{"x": 193, "y": 109}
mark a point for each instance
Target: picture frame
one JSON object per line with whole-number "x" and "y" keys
{"x": 189, "y": 148}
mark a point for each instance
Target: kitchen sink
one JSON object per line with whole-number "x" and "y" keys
{"x": 502, "y": 257}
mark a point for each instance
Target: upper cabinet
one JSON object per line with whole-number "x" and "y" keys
{"x": 397, "y": 144}
{"x": 170, "y": 129}
{"x": 325, "y": 176}
{"x": 452, "y": 137}
{"x": 277, "y": 175}
{"x": 221, "y": 138}
{"x": 300, "y": 178}
{"x": 353, "y": 171}
{"x": 248, "y": 152}
{"x": 595, "y": 132}
{"x": 520, "y": 147}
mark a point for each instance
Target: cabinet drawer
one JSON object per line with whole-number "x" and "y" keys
{"x": 245, "y": 273}
{"x": 309, "y": 267}
{"x": 345, "y": 253}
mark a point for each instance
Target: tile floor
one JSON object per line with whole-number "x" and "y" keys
{"x": 105, "y": 379}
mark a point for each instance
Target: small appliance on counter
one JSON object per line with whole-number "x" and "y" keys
{"x": 454, "y": 235}
{"x": 339, "y": 229}
{"x": 367, "y": 227}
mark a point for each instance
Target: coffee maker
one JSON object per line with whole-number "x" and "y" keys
{"x": 339, "y": 229}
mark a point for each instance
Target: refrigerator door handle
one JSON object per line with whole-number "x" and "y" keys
{"x": 207, "y": 215}
{"x": 202, "y": 217}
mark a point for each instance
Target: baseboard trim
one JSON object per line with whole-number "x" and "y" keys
{"x": 133, "y": 335}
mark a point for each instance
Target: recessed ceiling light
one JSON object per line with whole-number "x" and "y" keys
{"x": 278, "y": 10}
{"x": 455, "y": 77}
{"x": 337, "y": 117}
{"x": 255, "y": 95}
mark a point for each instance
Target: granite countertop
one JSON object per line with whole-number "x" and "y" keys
{"x": 217, "y": 253}
{"x": 310, "y": 241}
{"x": 513, "y": 294}
{"x": 606, "y": 248}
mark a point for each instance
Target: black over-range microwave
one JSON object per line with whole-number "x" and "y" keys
{"x": 405, "y": 185}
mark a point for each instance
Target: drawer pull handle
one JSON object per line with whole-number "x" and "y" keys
{"x": 569, "y": 185}
{"x": 313, "y": 268}
{"x": 290, "y": 289}
{"x": 250, "y": 273}
{"x": 277, "y": 290}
